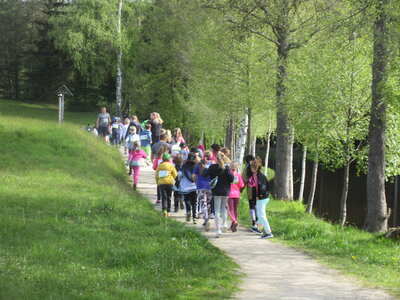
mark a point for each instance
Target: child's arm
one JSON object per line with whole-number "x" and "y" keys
{"x": 144, "y": 155}
{"x": 241, "y": 182}
{"x": 174, "y": 173}
{"x": 156, "y": 175}
{"x": 155, "y": 163}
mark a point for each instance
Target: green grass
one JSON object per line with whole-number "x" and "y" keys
{"x": 71, "y": 227}
{"x": 372, "y": 258}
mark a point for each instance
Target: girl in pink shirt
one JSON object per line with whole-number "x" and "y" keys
{"x": 234, "y": 195}
{"x": 135, "y": 160}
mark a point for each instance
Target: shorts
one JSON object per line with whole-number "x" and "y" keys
{"x": 103, "y": 131}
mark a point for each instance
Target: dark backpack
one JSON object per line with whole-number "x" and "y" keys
{"x": 263, "y": 187}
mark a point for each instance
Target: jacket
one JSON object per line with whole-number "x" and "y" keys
{"x": 261, "y": 191}
{"x": 225, "y": 178}
{"x": 165, "y": 174}
{"x": 186, "y": 185}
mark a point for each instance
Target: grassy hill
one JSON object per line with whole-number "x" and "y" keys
{"x": 71, "y": 227}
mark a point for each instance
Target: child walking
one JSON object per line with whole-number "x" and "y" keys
{"x": 165, "y": 178}
{"x": 188, "y": 187}
{"x": 131, "y": 138}
{"x": 178, "y": 199}
{"x": 260, "y": 192}
{"x": 234, "y": 195}
{"x": 156, "y": 162}
{"x": 124, "y": 130}
{"x": 203, "y": 191}
{"x": 145, "y": 139}
{"x": 135, "y": 159}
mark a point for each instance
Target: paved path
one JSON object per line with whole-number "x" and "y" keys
{"x": 273, "y": 271}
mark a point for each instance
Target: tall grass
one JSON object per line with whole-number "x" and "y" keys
{"x": 70, "y": 226}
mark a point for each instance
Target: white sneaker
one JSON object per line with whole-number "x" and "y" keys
{"x": 218, "y": 235}
{"x": 224, "y": 228}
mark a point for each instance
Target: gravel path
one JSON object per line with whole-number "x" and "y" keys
{"x": 273, "y": 271}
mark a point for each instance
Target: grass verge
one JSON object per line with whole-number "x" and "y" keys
{"x": 71, "y": 227}
{"x": 372, "y": 258}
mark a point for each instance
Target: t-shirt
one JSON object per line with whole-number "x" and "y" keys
{"x": 157, "y": 146}
{"x": 131, "y": 139}
{"x": 104, "y": 119}
{"x": 202, "y": 183}
{"x": 184, "y": 154}
{"x": 145, "y": 138}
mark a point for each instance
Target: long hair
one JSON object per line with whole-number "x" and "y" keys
{"x": 256, "y": 165}
{"x": 222, "y": 159}
{"x": 136, "y": 146}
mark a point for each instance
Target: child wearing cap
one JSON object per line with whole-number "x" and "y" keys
{"x": 165, "y": 178}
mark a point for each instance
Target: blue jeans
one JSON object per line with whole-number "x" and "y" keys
{"x": 262, "y": 217}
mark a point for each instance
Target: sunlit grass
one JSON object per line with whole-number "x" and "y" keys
{"x": 71, "y": 227}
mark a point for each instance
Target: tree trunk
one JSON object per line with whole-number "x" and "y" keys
{"x": 119, "y": 63}
{"x": 229, "y": 132}
{"x": 313, "y": 185}
{"x": 242, "y": 140}
{"x": 201, "y": 140}
{"x": 303, "y": 173}
{"x": 377, "y": 215}
{"x": 249, "y": 133}
{"x": 291, "y": 183}
{"x": 253, "y": 145}
{"x": 267, "y": 152}
{"x": 282, "y": 173}
{"x": 345, "y": 191}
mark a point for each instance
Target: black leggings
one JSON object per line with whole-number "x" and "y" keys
{"x": 191, "y": 201}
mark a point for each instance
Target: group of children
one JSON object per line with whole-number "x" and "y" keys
{"x": 205, "y": 183}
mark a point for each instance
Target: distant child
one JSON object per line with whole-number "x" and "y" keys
{"x": 124, "y": 130}
{"x": 135, "y": 160}
{"x": 156, "y": 162}
{"x": 203, "y": 191}
{"x": 145, "y": 139}
{"x": 234, "y": 195}
{"x": 188, "y": 187}
{"x": 178, "y": 137}
{"x": 132, "y": 137}
{"x": 115, "y": 127}
{"x": 178, "y": 198}
{"x": 184, "y": 151}
{"x": 165, "y": 176}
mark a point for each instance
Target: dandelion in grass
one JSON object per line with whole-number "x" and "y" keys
{"x": 394, "y": 258}
{"x": 354, "y": 257}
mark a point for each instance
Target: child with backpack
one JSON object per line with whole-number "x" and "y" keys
{"x": 260, "y": 192}
{"x": 156, "y": 162}
{"x": 188, "y": 187}
{"x": 165, "y": 178}
{"x": 234, "y": 195}
{"x": 115, "y": 128}
{"x": 135, "y": 160}
{"x": 145, "y": 139}
{"x": 203, "y": 190}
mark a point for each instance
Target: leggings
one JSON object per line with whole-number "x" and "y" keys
{"x": 204, "y": 199}
{"x": 191, "y": 202}
{"x": 252, "y": 207}
{"x": 220, "y": 204}
{"x": 136, "y": 172}
{"x": 233, "y": 204}
{"x": 262, "y": 217}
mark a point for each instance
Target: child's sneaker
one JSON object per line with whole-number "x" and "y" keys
{"x": 224, "y": 228}
{"x": 218, "y": 235}
{"x": 194, "y": 221}
{"x": 255, "y": 230}
{"x": 188, "y": 217}
{"x": 234, "y": 227}
{"x": 211, "y": 216}
{"x": 267, "y": 235}
{"x": 176, "y": 209}
{"x": 158, "y": 202}
{"x": 165, "y": 214}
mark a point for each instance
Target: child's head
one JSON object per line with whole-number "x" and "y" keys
{"x": 215, "y": 147}
{"x": 207, "y": 154}
{"x": 256, "y": 164}
{"x": 233, "y": 166}
{"x": 115, "y": 119}
{"x": 163, "y": 137}
{"x": 163, "y": 131}
{"x": 249, "y": 158}
{"x": 166, "y": 157}
{"x": 126, "y": 121}
{"x": 178, "y": 160}
{"x": 226, "y": 151}
{"x": 134, "y": 118}
{"x": 168, "y": 134}
{"x": 177, "y": 132}
{"x": 132, "y": 130}
{"x": 136, "y": 145}
{"x": 182, "y": 145}
{"x": 148, "y": 126}
{"x": 222, "y": 160}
